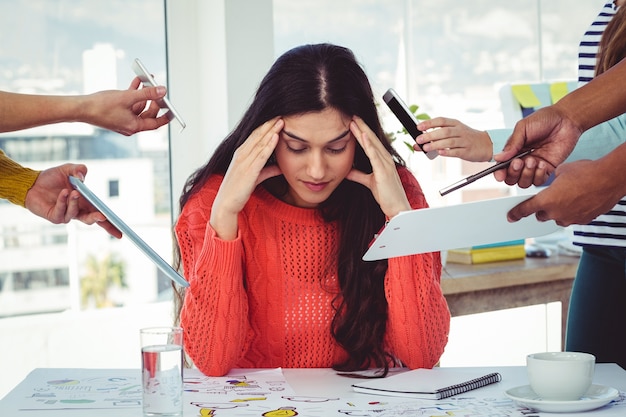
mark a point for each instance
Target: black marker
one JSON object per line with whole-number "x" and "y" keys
{"x": 479, "y": 175}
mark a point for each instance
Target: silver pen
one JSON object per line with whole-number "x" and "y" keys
{"x": 479, "y": 175}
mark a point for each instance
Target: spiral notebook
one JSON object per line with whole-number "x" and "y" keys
{"x": 433, "y": 384}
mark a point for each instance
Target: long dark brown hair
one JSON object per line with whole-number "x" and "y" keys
{"x": 311, "y": 78}
{"x": 612, "y": 48}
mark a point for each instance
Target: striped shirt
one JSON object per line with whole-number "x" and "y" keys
{"x": 608, "y": 229}
{"x": 588, "y": 48}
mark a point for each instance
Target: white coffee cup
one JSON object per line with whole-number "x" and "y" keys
{"x": 560, "y": 376}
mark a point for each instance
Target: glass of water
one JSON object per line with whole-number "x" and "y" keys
{"x": 162, "y": 371}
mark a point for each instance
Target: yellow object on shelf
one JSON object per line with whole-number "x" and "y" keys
{"x": 488, "y": 254}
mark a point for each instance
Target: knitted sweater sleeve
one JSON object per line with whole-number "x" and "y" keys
{"x": 16, "y": 180}
{"x": 419, "y": 318}
{"x": 215, "y": 309}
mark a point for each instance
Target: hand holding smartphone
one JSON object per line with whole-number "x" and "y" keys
{"x": 404, "y": 115}
{"x": 147, "y": 79}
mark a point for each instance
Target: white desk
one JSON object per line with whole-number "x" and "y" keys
{"x": 320, "y": 392}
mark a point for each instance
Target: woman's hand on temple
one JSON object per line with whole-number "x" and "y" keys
{"x": 384, "y": 181}
{"x": 246, "y": 170}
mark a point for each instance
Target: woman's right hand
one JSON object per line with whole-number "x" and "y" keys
{"x": 246, "y": 170}
{"x": 450, "y": 137}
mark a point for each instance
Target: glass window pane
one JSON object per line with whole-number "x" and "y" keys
{"x": 78, "y": 47}
{"x": 114, "y": 188}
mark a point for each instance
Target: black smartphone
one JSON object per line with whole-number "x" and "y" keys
{"x": 404, "y": 115}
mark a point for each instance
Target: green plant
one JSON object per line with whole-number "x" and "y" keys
{"x": 100, "y": 277}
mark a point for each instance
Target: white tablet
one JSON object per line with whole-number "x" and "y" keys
{"x": 451, "y": 227}
{"x": 123, "y": 227}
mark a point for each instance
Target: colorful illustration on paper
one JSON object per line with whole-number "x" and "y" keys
{"x": 254, "y": 393}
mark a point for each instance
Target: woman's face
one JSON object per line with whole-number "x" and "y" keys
{"x": 315, "y": 152}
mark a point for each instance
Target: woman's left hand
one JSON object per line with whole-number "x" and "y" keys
{"x": 384, "y": 181}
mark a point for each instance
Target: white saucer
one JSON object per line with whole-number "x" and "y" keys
{"x": 596, "y": 397}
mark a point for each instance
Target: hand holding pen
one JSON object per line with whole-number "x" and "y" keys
{"x": 481, "y": 174}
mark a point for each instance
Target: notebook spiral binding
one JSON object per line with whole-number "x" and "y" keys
{"x": 469, "y": 385}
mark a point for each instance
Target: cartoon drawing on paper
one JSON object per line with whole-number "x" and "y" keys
{"x": 281, "y": 412}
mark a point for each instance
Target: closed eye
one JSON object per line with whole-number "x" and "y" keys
{"x": 297, "y": 145}
{"x": 296, "y": 150}
{"x": 337, "y": 150}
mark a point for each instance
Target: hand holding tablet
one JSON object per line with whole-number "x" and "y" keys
{"x": 440, "y": 228}
{"x": 123, "y": 227}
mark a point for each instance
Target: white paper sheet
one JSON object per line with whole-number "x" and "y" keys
{"x": 458, "y": 226}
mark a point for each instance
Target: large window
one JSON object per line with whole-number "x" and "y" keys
{"x": 77, "y": 47}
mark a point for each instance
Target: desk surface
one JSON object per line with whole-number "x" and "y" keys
{"x": 321, "y": 392}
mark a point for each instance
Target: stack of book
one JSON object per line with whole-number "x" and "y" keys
{"x": 494, "y": 252}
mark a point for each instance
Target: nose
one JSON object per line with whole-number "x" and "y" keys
{"x": 316, "y": 166}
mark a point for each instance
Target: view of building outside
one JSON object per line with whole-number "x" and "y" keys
{"x": 80, "y": 47}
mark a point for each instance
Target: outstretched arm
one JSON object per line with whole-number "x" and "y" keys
{"x": 554, "y": 130}
{"x": 123, "y": 111}
{"x": 584, "y": 189}
{"x": 450, "y": 137}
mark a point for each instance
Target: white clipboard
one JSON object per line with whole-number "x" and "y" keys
{"x": 123, "y": 227}
{"x": 458, "y": 226}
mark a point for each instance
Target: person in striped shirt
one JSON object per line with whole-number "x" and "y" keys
{"x": 597, "y": 304}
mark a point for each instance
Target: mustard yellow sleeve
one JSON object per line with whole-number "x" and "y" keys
{"x": 15, "y": 180}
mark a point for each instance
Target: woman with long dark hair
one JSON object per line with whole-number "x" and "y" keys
{"x": 273, "y": 228}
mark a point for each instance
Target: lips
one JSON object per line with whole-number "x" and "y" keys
{"x": 315, "y": 186}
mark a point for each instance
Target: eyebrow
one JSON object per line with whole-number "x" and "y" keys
{"x": 296, "y": 137}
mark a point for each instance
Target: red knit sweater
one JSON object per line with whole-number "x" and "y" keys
{"x": 264, "y": 299}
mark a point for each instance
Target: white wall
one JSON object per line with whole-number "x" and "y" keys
{"x": 214, "y": 68}
{"x": 106, "y": 338}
